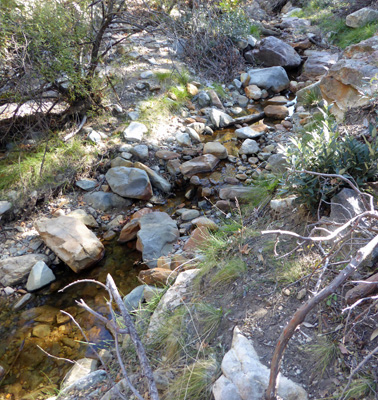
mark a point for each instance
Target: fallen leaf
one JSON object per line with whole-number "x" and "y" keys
{"x": 343, "y": 349}
{"x": 245, "y": 249}
{"x": 374, "y": 334}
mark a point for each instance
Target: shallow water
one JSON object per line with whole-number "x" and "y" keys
{"x": 42, "y": 324}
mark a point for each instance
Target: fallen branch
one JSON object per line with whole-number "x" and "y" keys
{"x": 302, "y": 312}
{"x": 246, "y": 120}
{"x": 72, "y": 134}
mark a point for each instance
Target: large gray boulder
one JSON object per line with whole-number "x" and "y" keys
{"x": 205, "y": 163}
{"x": 106, "y": 201}
{"x": 71, "y": 241}
{"x": 156, "y": 237}
{"x": 246, "y": 378}
{"x": 274, "y": 79}
{"x": 129, "y": 182}
{"x": 318, "y": 63}
{"x": 272, "y": 51}
{"x": 361, "y": 17}
{"x": 14, "y": 270}
{"x": 351, "y": 82}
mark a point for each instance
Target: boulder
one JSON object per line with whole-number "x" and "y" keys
{"x": 361, "y": 17}
{"x": 246, "y": 378}
{"x": 157, "y": 276}
{"x": 216, "y": 149}
{"x": 351, "y": 82}
{"x": 205, "y": 163}
{"x": 272, "y": 51}
{"x": 129, "y": 182}
{"x": 276, "y": 112}
{"x": 157, "y": 180}
{"x": 346, "y": 205}
{"x": 274, "y": 78}
{"x": 156, "y": 237}
{"x": 205, "y": 222}
{"x": 318, "y": 63}
{"x": 14, "y": 270}
{"x": 71, "y": 241}
{"x": 230, "y": 192}
{"x": 40, "y": 276}
{"x": 219, "y": 118}
{"x": 249, "y": 146}
{"x": 303, "y": 93}
{"x": 106, "y": 201}
{"x": 135, "y": 131}
{"x": 183, "y": 139}
{"x": 197, "y": 238}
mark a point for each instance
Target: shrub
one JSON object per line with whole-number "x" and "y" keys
{"x": 324, "y": 150}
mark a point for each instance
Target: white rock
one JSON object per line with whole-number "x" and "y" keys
{"x": 40, "y": 275}
{"x": 135, "y": 131}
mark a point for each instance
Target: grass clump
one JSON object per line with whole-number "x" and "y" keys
{"x": 325, "y": 353}
{"x": 229, "y": 271}
{"x": 195, "y": 382}
{"x": 262, "y": 189}
{"x": 361, "y": 388}
{"x": 44, "y": 165}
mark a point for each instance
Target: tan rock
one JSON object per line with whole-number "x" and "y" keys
{"x": 71, "y": 241}
{"x": 253, "y": 92}
{"x": 157, "y": 276}
{"x": 129, "y": 231}
{"x": 277, "y": 112}
{"x": 205, "y": 163}
{"x": 197, "y": 238}
{"x": 205, "y": 222}
{"x": 167, "y": 155}
{"x": 85, "y": 218}
{"x": 191, "y": 89}
{"x": 164, "y": 262}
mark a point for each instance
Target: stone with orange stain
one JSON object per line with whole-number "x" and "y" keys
{"x": 197, "y": 238}
{"x": 157, "y": 276}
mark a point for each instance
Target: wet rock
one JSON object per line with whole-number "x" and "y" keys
{"x": 80, "y": 369}
{"x": 247, "y": 133}
{"x": 14, "y": 270}
{"x": 216, "y": 149}
{"x": 156, "y": 237}
{"x": 71, "y": 241}
{"x": 245, "y": 377}
{"x": 86, "y": 184}
{"x": 86, "y": 219}
{"x": 135, "y": 131}
{"x": 361, "y": 17}
{"x": 230, "y": 192}
{"x": 274, "y": 78}
{"x": 318, "y": 63}
{"x": 272, "y": 51}
{"x": 40, "y": 276}
{"x": 41, "y": 331}
{"x": 157, "y": 276}
{"x": 129, "y": 182}
{"x": 219, "y": 118}
{"x": 205, "y": 163}
{"x": 249, "y": 146}
{"x": 23, "y": 301}
{"x": 140, "y": 151}
{"x": 106, "y": 201}
{"x": 157, "y": 180}
{"x": 253, "y": 92}
{"x": 276, "y": 112}
{"x": 345, "y": 86}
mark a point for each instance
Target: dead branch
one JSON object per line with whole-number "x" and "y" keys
{"x": 72, "y": 134}
{"x": 302, "y": 312}
{"x": 363, "y": 289}
{"x": 246, "y": 120}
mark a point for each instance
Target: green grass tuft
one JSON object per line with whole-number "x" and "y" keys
{"x": 229, "y": 271}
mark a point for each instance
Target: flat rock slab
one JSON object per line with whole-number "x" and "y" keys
{"x": 277, "y": 112}
{"x": 86, "y": 184}
{"x": 246, "y": 378}
{"x": 71, "y": 241}
{"x": 106, "y": 201}
{"x": 248, "y": 133}
{"x": 15, "y": 269}
{"x": 274, "y": 79}
{"x": 205, "y": 163}
{"x": 134, "y": 132}
{"x": 156, "y": 237}
{"x": 129, "y": 182}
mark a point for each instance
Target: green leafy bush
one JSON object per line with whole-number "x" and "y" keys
{"x": 324, "y": 150}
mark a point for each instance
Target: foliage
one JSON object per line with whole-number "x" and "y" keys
{"x": 262, "y": 188}
{"x": 324, "y": 150}
{"x": 362, "y": 387}
{"x": 325, "y": 353}
{"x": 229, "y": 271}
